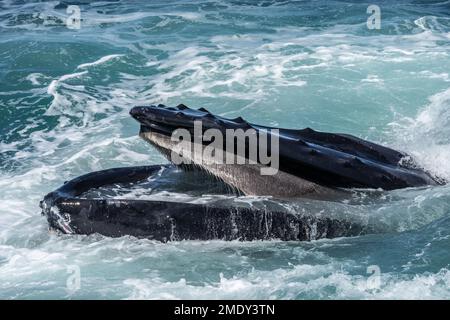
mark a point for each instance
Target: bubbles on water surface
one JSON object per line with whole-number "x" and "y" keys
{"x": 68, "y": 99}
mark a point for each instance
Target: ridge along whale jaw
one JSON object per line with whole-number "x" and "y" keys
{"x": 182, "y": 116}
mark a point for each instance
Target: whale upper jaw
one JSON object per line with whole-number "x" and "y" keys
{"x": 314, "y": 160}
{"x": 158, "y": 124}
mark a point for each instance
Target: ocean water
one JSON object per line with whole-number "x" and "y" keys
{"x": 64, "y": 99}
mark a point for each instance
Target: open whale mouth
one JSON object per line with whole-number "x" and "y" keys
{"x": 309, "y": 163}
{"x": 316, "y": 159}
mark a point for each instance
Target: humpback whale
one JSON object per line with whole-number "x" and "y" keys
{"x": 308, "y": 164}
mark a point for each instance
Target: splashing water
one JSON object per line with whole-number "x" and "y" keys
{"x": 64, "y": 101}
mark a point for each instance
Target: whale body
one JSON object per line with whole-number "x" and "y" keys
{"x": 309, "y": 164}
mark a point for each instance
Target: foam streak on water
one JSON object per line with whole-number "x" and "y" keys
{"x": 64, "y": 101}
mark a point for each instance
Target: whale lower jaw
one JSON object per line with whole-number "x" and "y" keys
{"x": 71, "y": 209}
{"x": 246, "y": 178}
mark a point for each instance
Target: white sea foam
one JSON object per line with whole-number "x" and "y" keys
{"x": 372, "y": 78}
{"x": 99, "y": 61}
{"x": 427, "y": 136}
{"x": 34, "y": 78}
{"x": 60, "y": 100}
{"x": 304, "y": 280}
{"x": 280, "y": 76}
{"x": 433, "y": 75}
{"x": 95, "y": 19}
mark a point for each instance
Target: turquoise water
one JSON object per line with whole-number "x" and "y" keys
{"x": 64, "y": 101}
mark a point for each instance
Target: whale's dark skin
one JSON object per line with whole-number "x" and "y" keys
{"x": 69, "y": 212}
{"x": 328, "y": 159}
